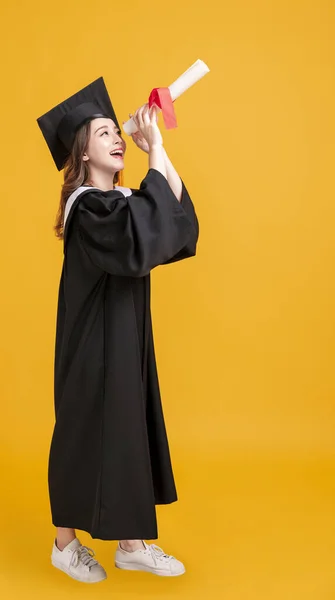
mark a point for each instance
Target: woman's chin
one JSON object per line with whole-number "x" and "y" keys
{"x": 118, "y": 163}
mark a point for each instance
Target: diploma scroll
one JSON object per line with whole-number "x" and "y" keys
{"x": 185, "y": 81}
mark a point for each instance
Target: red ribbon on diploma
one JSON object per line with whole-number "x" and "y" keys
{"x": 162, "y": 98}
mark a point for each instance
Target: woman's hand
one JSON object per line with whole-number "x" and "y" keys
{"x": 148, "y": 134}
{"x": 140, "y": 141}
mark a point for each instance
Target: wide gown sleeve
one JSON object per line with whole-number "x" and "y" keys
{"x": 191, "y": 246}
{"x": 131, "y": 235}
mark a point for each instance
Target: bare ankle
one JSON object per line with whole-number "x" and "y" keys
{"x": 131, "y": 545}
{"x": 64, "y": 536}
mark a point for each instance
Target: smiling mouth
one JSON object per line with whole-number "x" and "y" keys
{"x": 116, "y": 155}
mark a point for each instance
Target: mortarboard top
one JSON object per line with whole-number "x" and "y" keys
{"x": 60, "y": 124}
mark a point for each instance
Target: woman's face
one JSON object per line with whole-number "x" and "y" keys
{"x": 106, "y": 148}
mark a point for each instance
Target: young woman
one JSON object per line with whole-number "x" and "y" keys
{"x": 109, "y": 462}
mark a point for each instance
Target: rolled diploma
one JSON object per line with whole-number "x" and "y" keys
{"x": 185, "y": 81}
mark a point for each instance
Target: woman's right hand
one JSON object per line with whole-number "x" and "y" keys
{"x": 146, "y": 121}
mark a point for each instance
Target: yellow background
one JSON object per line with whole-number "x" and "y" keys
{"x": 244, "y": 332}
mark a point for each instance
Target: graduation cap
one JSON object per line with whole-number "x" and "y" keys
{"x": 60, "y": 124}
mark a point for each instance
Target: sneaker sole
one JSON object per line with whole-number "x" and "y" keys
{"x": 70, "y": 574}
{"x": 136, "y": 567}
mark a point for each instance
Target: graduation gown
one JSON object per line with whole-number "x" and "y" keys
{"x": 109, "y": 461}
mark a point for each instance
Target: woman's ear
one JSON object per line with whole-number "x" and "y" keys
{"x": 85, "y": 157}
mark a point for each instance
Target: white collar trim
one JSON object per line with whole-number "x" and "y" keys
{"x": 83, "y": 188}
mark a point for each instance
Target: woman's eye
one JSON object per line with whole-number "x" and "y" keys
{"x": 117, "y": 132}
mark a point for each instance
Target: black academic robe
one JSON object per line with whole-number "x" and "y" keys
{"x": 109, "y": 462}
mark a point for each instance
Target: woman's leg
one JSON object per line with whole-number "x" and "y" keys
{"x": 65, "y": 535}
{"x": 131, "y": 545}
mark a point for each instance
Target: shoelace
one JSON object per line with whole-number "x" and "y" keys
{"x": 158, "y": 553}
{"x": 83, "y": 554}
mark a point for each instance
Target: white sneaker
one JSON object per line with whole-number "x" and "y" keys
{"x": 151, "y": 558}
{"x": 76, "y": 560}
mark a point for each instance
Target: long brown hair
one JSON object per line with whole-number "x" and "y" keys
{"x": 76, "y": 173}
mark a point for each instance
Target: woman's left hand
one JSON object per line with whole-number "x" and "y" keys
{"x": 139, "y": 139}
